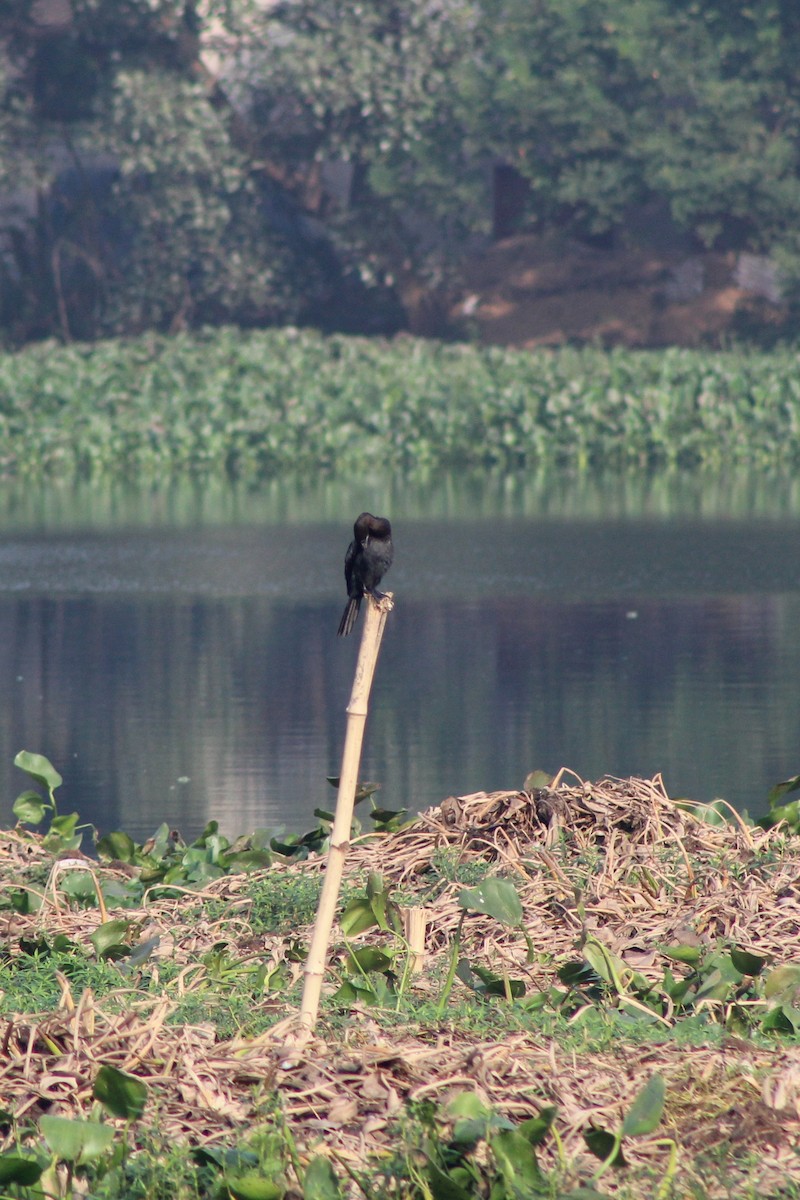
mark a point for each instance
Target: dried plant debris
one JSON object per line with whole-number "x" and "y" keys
{"x": 614, "y": 875}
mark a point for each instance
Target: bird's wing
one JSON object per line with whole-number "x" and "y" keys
{"x": 349, "y": 559}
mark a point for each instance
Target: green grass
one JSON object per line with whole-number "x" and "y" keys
{"x": 255, "y": 404}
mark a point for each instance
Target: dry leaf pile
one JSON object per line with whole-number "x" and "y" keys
{"x": 616, "y": 860}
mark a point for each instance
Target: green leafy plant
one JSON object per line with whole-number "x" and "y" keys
{"x": 485, "y": 1154}
{"x": 780, "y": 811}
{"x": 247, "y": 404}
{"x": 376, "y": 975}
{"x": 32, "y": 808}
{"x": 641, "y": 1119}
{"x": 121, "y": 1094}
{"x": 728, "y": 984}
{"x": 496, "y": 898}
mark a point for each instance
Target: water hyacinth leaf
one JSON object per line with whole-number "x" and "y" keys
{"x": 496, "y": 898}
{"x": 369, "y": 958}
{"x": 117, "y": 847}
{"x": 31, "y": 808}
{"x": 578, "y": 974}
{"x": 714, "y": 987}
{"x": 516, "y": 1160}
{"x": 690, "y": 955}
{"x": 646, "y": 1111}
{"x": 140, "y": 954}
{"x": 472, "y": 1120}
{"x": 108, "y": 939}
{"x": 443, "y": 1186}
{"x": 234, "y": 1160}
{"x": 16, "y": 1169}
{"x": 747, "y": 963}
{"x": 351, "y": 993}
{"x": 382, "y": 907}
{"x": 536, "y": 1129}
{"x": 537, "y": 781}
{"x": 274, "y": 979}
{"x": 719, "y": 977}
{"x": 75, "y": 1141}
{"x": 607, "y": 965}
{"x": 211, "y": 830}
{"x": 39, "y": 768}
{"x": 160, "y": 843}
{"x": 24, "y": 902}
{"x": 252, "y": 1185}
{"x": 65, "y": 825}
{"x": 294, "y": 846}
{"x": 790, "y": 813}
{"x": 783, "y": 789}
{"x": 783, "y": 981}
{"x": 247, "y": 860}
{"x": 357, "y": 916}
{"x": 123, "y": 1095}
{"x": 79, "y": 885}
{"x": 714, "y": 813}
{"x": 484, "y": 983}
{"x": 374, "y": 993}
{"x": 777, "y": 1021}
{"x": 320, "y": 1182}
{"x": 602, "y": 1143}
{"x": 468, "y": 1105}
{"x": 499, "y": 985}
{"x": 388, "y": 820}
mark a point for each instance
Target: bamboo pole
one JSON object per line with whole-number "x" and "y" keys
{"x": 372, "y": 633}
{"x": 415, "y": 922}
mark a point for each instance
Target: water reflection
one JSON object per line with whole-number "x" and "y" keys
{"x": 189, "y": 670}
{"x": 536, "y": 494}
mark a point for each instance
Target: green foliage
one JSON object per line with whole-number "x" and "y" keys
{"x": 641, "y": 1119}
{"x": 783, "y": 811}
{"x": 497, "y": 898}
{"x": 63, "y": 832}
{"x": 153, "y": 209}
{"x": 727, "y": 984}
{"x": 168, "y": 197}
{"x": 250, "y": 405}
{"x": 469, "y": 1150}
{"x": 165, "y": 859}
{"x": 75, "y": 1141}
{"x": 121, "y": 1094}
{"x": 598, "y": 107}
{"x": 95, "y": 1154}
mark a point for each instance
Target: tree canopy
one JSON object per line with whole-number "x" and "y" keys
{"x": 156, "y": 156}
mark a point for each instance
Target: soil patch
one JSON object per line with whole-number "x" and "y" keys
{"x": 528, "y": 291}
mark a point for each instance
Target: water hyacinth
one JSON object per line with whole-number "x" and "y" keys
{"x": 257, "y": 404}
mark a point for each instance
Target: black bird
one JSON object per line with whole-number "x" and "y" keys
{"x": 367, "y": 560}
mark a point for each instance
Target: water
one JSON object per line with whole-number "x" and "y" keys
{"x": 174, "y": 654}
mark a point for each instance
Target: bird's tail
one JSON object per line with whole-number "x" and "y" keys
{"x": 349, "y": 615}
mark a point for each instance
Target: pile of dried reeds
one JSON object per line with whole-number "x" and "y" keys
{"x": 615, "y": 859}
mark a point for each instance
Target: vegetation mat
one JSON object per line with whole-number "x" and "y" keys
{"x": 643, "y": 991}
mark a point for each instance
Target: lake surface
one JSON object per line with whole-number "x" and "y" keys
{"x": 174, "y": 653}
